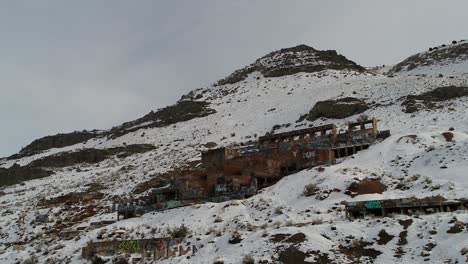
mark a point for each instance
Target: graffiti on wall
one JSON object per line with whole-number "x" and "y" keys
{"x": 373, "y": 205}
{"x": 159, "y": 248}
{"x": 129, "y": 245}
{"x": 309, "y": 154}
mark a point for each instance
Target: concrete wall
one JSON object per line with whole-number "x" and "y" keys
{"x": 159, "y": 248}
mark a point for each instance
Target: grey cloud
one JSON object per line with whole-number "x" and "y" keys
{"x": 72, "y": 65}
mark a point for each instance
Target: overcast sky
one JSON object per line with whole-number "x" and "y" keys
{"x": 74, "y": 65}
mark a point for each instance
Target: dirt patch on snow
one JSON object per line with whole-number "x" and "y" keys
{"x": 366, "y": 186}
{"x": 384, "y": 237}
{"x": 357, "y": 250}
{"x": 292, "y": 255}
{"x": 405, "y": 223}
{"x": 448, "y": 136}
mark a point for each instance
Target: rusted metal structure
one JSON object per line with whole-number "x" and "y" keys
{"x": 408, "y": 206}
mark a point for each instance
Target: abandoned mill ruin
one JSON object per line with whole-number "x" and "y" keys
{"x": 238, "y": 172}
{"x": 302, "y": 156}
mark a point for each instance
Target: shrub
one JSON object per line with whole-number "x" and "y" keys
{"x": 178, "y": 232}
{"x": 97, "y": 260}
{"x": 317, "y": 221}
{"x": 236, "y": 238}
{"x": 120, "y": 260}
{"x": 310, "y": 189}
{"x": 248, "y": 259}
{"x": 278, "y": 210}
{"x": 218, "y": 261}
{"x": 31, "y": 260}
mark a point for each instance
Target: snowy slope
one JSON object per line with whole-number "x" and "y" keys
{"x": 247, "y": 109}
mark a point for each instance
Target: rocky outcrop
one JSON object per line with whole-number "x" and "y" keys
{"x": 442, "y": 55}
{"x": 66, "y": 159}
{"x": 55, "y": 141}
{"x": 430, "y": 100}
{"x": 337, "y": 109}
{"x": 41, "y": 168}
{"x": 290, "y": 61}
{"x": 182, "y": 111}
{"x": 16, "y": 174}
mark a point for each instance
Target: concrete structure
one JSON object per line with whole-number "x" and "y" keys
{"x": 277, "y": 155}
{"x": 152, "y": 249}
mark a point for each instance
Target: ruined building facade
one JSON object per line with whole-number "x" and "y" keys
{"x": 275, "y": 156}
{"x": 238, "y": 172}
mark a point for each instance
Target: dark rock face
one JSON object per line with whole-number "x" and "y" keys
{"x": 290, "y": 61}
{"x": 66, "y": 159}
{"x": 181, "y": 111}
{"x": 430, "y": 100}
{"x": 17, "y": 174}
{"x": 56, "y": 141}
{"x": 337, "y": 109}
{"x": 37, "y": 168}
{"x": 450, "y": 54}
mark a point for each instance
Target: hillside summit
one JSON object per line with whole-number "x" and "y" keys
{"x": 301, "y": 58}
{"x": 59, "y": 193}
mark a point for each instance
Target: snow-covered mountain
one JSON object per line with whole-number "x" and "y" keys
{"x": 66, "y": 176}
{"x": 446, "y": 59}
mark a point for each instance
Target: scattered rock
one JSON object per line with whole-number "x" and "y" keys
{"x": 457, "y": 227}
